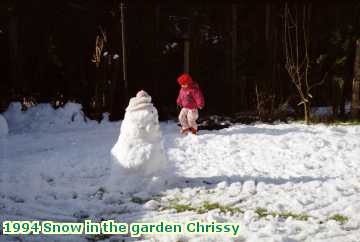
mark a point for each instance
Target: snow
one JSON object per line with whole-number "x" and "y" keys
{"x": 43, "y": 117}
{"x": 4, "y": 129}
{"x": 56, "y": 166}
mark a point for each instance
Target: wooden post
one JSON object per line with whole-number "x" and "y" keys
{"x": 123, "y": 48}
{"x": 355, "y": 105}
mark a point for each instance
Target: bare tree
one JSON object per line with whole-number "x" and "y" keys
{"x": 297, "y": 60}
{"x": 101, "y": 39}
{"x": 98, "y": 57}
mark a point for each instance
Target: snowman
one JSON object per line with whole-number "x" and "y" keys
{"x": 139, "y": 149}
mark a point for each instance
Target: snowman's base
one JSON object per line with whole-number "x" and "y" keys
{"x": 128, "y": 184}
{"x": 133, "y": 180}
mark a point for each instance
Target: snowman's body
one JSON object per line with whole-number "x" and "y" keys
{"x": 139, "y": 147}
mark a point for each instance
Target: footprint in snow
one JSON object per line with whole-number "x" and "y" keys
{"x": 48, "y": 179}
{"x": 16, "y": 199}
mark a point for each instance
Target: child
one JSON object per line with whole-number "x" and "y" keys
{"x": 190, "y": 99}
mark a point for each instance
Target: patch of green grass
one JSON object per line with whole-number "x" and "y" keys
{"x": 180, "y": 208}
{"x": 301, "y": 217}
{"x": 204, "y": 208}
{"x": 262, "y": 212}
{"x": 347, "y": 122}
{"x": 339, "y": 218}
{"x": 231, "y": 210}
{"x": 211, "y": 206}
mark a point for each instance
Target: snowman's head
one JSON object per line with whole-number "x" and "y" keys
{"x": 141, "y": 111}
{"x": 141, "y": 101}
{"x": 142, "y": 93}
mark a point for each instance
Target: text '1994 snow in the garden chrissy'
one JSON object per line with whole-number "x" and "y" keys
{"x": 113, "y": 227}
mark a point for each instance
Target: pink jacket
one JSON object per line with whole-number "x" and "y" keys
{"x": 191, "y": 97}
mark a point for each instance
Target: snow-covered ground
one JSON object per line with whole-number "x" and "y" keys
{"x": 281, "y": 183}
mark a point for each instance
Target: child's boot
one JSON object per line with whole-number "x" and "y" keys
{"x": 184, "y": 130}
{"x": 193, "y": 131}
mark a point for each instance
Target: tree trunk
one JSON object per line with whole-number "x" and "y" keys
{"x": 335, "y": 91}
{"x": 306, "y": 113}
{"x": 355, "y": 105}
{"x": 124, "y": 59}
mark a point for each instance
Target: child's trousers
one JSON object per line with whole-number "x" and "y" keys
{"x": 188, "y": 117}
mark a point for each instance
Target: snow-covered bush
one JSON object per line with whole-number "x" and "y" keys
{"x": 4, "y": 129}
{"x": 43, "y": 117}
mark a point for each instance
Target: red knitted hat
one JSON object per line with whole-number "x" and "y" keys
{"x": 185, "y": 79}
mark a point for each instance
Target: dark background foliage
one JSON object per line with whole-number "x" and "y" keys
{"x": 47, "y": 46}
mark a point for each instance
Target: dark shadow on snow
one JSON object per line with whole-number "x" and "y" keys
{"x": 211, "y": 182}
